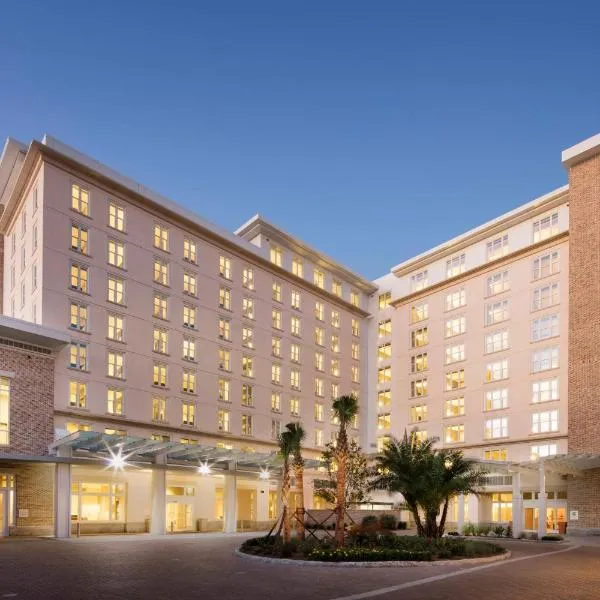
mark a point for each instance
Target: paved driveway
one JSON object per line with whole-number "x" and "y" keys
{"x": 204, "y": 566}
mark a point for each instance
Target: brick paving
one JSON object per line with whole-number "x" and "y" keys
{"x": 204, "y": 566}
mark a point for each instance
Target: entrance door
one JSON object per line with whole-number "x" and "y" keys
{"x": 179, "y": 516}
{"x": 3, "y": 515}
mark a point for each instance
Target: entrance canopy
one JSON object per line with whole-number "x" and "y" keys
{"x": 143, "y": 451}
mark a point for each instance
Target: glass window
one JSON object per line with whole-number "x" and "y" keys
{"x": 384, "y": 328}
{"x": 190, "y": 251}
{"x": 114, "y": 401}
{"x": 189, "y": 284}
{"x": 276, "y": 255}
{"x": 336, "y": 288}
{"x": 385, "y": 300}
{"x": 497, "y": 247}
{"x": 79, "y": 239}
{"x": 161, "y": 272}
{"x": 496, "y": 428}
{"x": 115, "y": 364}
{"x": 419, "y": 337}
{"x": 320, "y": 311}
{"x": 78, "y": 356}
{"x": 419, "y": 281}
{"x": 224, "y": 359}
{"x": 546, "y": 264}
{"x": 496, "y": 371}
{"x": 454, "y": 353}
{"x": 455, "y": 326}
{"x": 545, "y": 296}
{"x": 297, "y": 267}
{"x": 497, "y": 283}
{"x": 500, "y": 454}
{"x": 456, "y": 299}
{"x": 295, "y": 299}
{"x": 455, "y": 265}
{"x": 319, "y": 278}
{"x": 418, "y": 388}
{"x": 247, "y": 423}
{"x": 188, "y": 381}
{"x": 78, "y": 317}
{"x": 545, "y": 390}
{"x": 77, "y": 394}
{"x": 98, "y": 501}
{"x": 419, "y": 362}
{"x": 418, "y": 312}
{"x": 80, "y": 199}
{"x": 496, "y": 341}
{"x": 159, "y": 375}
{"x": 455, "y": 379}
{"x": 542, "y": 451}
{"x": 384, "y": 351}
{"x": 418, "y": 413}
{"x": 544, "y": 359}
{"x": 115, "y": 327}
{"x": 116, "y": 216}
{"x": 116, "y": 254}
{"x": 223, "y": 389}
{"x": 454, "y": 434}
{"x": 79, "y": 278}
{"x": 454, "y": 407}
{"x": 545, "y": 227}
{"x": 161, "y": 237}
{"x": 225, "y": 298}
{"x": 496, "y": 312}
{"x": 248, "y": 278}
{"x": 544, "y": 328}
{"x": 189, "y": 316}
{"x": 247, "y": 394}
{"x": 160, "y": 306}
{"x": 544, "y": 422}
{"x": 116, "y": 290}
{"x": 223, "y": 421}
{"x": 496, "y": 399}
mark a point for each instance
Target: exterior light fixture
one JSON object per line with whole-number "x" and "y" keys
{"x": 204, "y": 468}
{"x": 117, "y": 461}
{"x": 264, "y": 474}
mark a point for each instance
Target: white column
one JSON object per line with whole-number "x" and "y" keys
{"x": 158, "y": 515}
{"x": 517, "y": 505}
{"x": 542, "y": 502}
{"x": 473, "y": 508}
{"x": 461, "y": 512}
{"x": 262, "y": 501}
{"x": 62, "y": 495}
{"x": 308, "y": 492}
{"x": 230, "y": 500}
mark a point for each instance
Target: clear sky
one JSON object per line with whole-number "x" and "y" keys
{"x": 373, "y": 130}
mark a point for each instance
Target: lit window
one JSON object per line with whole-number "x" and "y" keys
{"x": 248, "y": 307}
{"x": 115, "y": 327}
{"x": 496, "y": 428}
{"x": 225, "y": 298}
{"x": 355, "y": 351}
{"x": 275, "y": 401}
{"x": 78, "y": 356}
{"x": 496, "y": 341}
{"x": 189, "y": 284}
{"x": 384, "y": 351}
{"x": 116, "y": 254}
{"x": 116, "y": 217}
{"x": 161, "y": 237}
{"x": 318, "y": 437}
{"x": 544, "y": 422}
{"x": 276, "y": 374}
{"x": 80, "y": 199}
{"x": 454, "y": 434}
{"x": 455, "y": 380}
{"x": 294, "y": 407}
{"x": 295, "y": 379}
{"x": 159, "y": 375}
{"x": 418, "y": 413}
{"x": 496, "y": 399}
{"x": 79, "y": 278}
{"x": 189, "y": 316}
{"x": 336, "y": 288}
{"x": 319, "y": 336}
{"x": 294, "y": 353}
{"x": 384, "y": 421}
{"x": 224, "y": 359}
{"x": 223, "y": 420}
{"x": 335, "y": 343}
{"x": 455, "y": 266}
{"x": 116, "y": 290}
{"x": 189, "y": 348}
{"x": 161, "y": 272}
{"x": 544, "y": 328}
{"x": 419, "y": 436}
{"x": 501, "y": 507}
{"x": 419, "y": 337}
{"x": 276, "y": 346}
{"x": 545, "y": 296}
{"x": 497, "y": 247}
{"x": 190, "y": 251}
{"x": 188, "y": 381}
{"x": 454, "y": 353}
{"x": 354, "y": 298}
{"x": 319, "y": 278}
{"x": 419, "y": 281}
{"x": 276, "y": 318}
{"x": 320, "y": 311}
{"x": 295, "y": 299}
{"x": 497, "y": 283}
{"x": 79, "y": 317}
{"x": 496, "y": 312}
{"x": 418, "y": 312}
{"x": 335, "y": 318}
{"x": 355, "y": 328}
{"x": 354, "y": 374}
{"x": 276, "y": 255}
{"x": 546, "y": 264}
{"x": 247, "y": 395}
{"x": 545, "y": 390}
{"x": 419, "y": 363}
{"x": 496, "y": 371}
{"x": 115, "y": 364}
{"x": 319, "y": 411}
{"x": 114, "y": 401}
{"x": 79, "y": 239}
{"x": 384, "y": 328}
{"x": 455, "y": 326}
{"x": 384, "y": 300}
{"x": 295, "y": 326}
{"x": 276, "y": 295}
{"x": 223, "y": 389}
{"x": 418, "y": 388}
{"x": 319, "y": 361}
{"x": 275, "y": 429}
{"x": 542, "y": 451}
{"x": 545, "y": 227}
{"x": 248, "y": 337}
{"x": 248, "y": 278}
{"x": 247, "y": 425}
{"x": 454, "y": 407}
{"x": 160, "y": 306}
{"x": 500, "y": 454}
{"x": 77, "y": 395}
{"x": 188, "y": 413}
{"x": 248, "y": 366}
{"x": 545, "y": 359}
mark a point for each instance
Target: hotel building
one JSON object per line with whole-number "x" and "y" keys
{"x": 194, "y": 346}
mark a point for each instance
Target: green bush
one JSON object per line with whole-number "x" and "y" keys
{"x": 369, "y": 520}
{"x": 388, "y": 522}
{"x": 499, "y": 531}
{"x": 402, "y": 525}
{"x": 509, "y": 531}
{"x": 469, "y": 529}
{"x": 552, "y": 537}
{"x": 367, "y": 554}
{"x": 483, "y": 529}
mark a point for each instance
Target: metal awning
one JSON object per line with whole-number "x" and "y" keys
{"x": 101, "y": 446}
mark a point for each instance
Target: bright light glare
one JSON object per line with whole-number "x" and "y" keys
{"x": 264, "y": 474}
{"x": 117, "y": 461}
{"x": 204, "y": 468}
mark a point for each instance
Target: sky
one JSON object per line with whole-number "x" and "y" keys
{"x": 371, "y": 130}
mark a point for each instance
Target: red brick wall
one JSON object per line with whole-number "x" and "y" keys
{"x": 31, "y": 400}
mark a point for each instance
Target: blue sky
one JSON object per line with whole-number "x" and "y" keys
{"x": 372, "y": 130}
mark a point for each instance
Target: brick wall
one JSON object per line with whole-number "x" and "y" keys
{"x": 31, "y": 400}
{"x": 1, "y": 272}
{"x": 584, "y": 497}
{"x": 35, "y": 494}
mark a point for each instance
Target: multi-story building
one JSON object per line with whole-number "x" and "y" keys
{"x": 197, "y": 345}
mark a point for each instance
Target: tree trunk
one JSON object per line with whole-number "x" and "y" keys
{"x": 442, "y": 524}
{"x": 340, "y": 507}
{"x": 299, "y": 472}
{"x": 417, "y": 517}
{"x": 431, "y": 524}
{"x": 285, "y": 501}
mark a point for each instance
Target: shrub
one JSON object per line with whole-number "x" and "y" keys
{"x": 483, "y": 529}
{"x": 552, "y": 537}
{"x": 509, "y": 531}
{"x": 469, "y": 529}
{"x": 368, "y": 554}
{"x": 499, "y": 531}
{"x": 453, "y": 533}
{"x": 388, "y": 522}
{"x": 528, "y": 535}
{"x": 369, "y": 520}
{"x": 402, "y": 525}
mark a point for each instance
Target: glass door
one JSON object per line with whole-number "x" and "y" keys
{"x": 3, "y": 514}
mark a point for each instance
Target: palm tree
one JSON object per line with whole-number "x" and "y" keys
{"x": 427, "y": 477}
{"x": 285, "y": 450}
{"x": 345, "y": 408}
{"x": 297, "y": 435}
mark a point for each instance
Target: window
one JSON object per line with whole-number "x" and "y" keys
{"x": 188, "y": 413}
{"x": 225, "y": 298}
{"x": 318, "y": 437}
{"x": 77, "y": 394}
{"x": 418, "y": 388}
{"x": 545, "y": 227}
{"x": 545, "y": 296}
{"x": 276, "y": 255}
{"x": 455, "y": 379}
{"x": 455, "y": 326}
{"x": 385, "y": 300}
{"x": 115, "y": 364}
{"x": 247, "y": 395}
{"x": 247, "y": 425}
{"x": 419, "y": 337}
{"x": 190, "y": 251}
{"x": 297, "y": 267}
{"x": 224, "y": 359}
{"x": 294, "y": 353}
{"x": 248, "y": 366}
{"x": 382, "y": 442}
{"x": 35, "y": 199}
{"x": 418, "y": 436}
{"x": 116, "y": 216}
{"x": 276, "y": 346}
{"x": 248, "y": 337}
{"x": 355, "y": 328}
{"x": 500, "y": 454}
{"x": 189, "y": 316}
{"x": 160, "y": 306}
{"x": 319, "y": 336}
{"x": 384, "y": 398}
{"x": 248, "y": 308}
{"x": 189, "y": 348}
{"x": 116, "y": 255}
{"x": 496, "y": 399}
{"x": 295, "y": 299}
{"x": 335, "y": 343}
{"x": 419, "y": 281}
{"x": 115, "y": 327}
{"x": 35, "y": 237}
{"x": 454, "y": 434}
{"x": 384, "y": 375}
{"x": 355, "y": 351}
{"x": 98, "y": 501}
{"x": 496, "y": 312}
{"x": 189, "y": 284}
{"x": 159, "y": 375}
{"x": 319, "y": 412}
{"x": 545, "y": 390}
{"x": 294, "y": 407}
{"x": 418, "y": 413}
{"x": 275, "y": 401}
{"x": 496, "y": 341}
{"x": 275, "y": 429}
{"x": 454, "y": 353}
{"x": 188, "y": 381}
{"x": 276, "y": 374}
{"x": 158, "y": 437}
{"x": 79, "y": 278}
{"x": 276, "y": 318}
{"x": 319, "y": 361}
{"x": 114, "y": 401}
{"x": 455, "y": 266}
{"x": 161, "y": 272}
{"x": 544, "y": 422}
{"x": 223, "y": 421}
{"x": 79, "y": 317}
{"x": 546, "y": 264}
{"x": 161, "y": 237}
{"x": 354, "y": 374}
{"x": 497, "y": 283}
{"x": 319, "y": 278}
{"x": 223, "y": 386}
{"x": 276, "y": 295}
{"x": 79, "y": 239}
{"x": 497, "y": 247}
{"x": 496, "y": 371}
{"x": 336, "y": 288}
{"x": 80, "y": 199}
{"x": 78, "y": 356}
{"x": 72, "y": 427}
{"x": 320, "y": 311}
{"x": 295, "y": 379}
{"x": 544, "y": 360}
{"x": 354, "y": 298}
{"x": 496, "y": 428}
{"x": 542, "y": 451}
{"x": 295, "y": 326}
{"x": 248, "y": 278}
{"x": 116, "y": 290}
{"x": 384, "y": 421}
{"x": 384, "y": 351}
{"x": 419, "y": 363}
{"x": 454, "y": 407}
{"x": 501, "y": 507}
{"x": 384, "y": 328}
{"x": 418, "y": 312}
{"x": 544, "y": 328}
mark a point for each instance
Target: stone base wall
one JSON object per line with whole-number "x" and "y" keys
{"x": 584, "y": 497}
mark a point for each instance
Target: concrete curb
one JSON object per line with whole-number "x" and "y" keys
{"x": 378, "y": 564}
